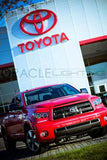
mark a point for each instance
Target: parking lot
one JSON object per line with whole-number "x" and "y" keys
{"x": 22, "y": 153}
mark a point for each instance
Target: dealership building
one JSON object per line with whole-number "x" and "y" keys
{"x": 53, "y": 42}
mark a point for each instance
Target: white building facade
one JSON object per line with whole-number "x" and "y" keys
{"x": 46, "y": 48}
{"x": 57, "y": 41}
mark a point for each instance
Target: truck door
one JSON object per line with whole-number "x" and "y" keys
{"x": 15, "y": 122}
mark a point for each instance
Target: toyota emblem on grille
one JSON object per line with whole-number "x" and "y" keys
{"x": 38, "y": 22}
{"x": 73, "y": 109}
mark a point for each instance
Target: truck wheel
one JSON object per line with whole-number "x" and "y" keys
{"x": 10, "y": 145}
{"x": 97, "y": 133}
{"x": 31, "y": 141}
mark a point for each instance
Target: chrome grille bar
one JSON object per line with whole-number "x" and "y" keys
{"x": 71, "y": 110}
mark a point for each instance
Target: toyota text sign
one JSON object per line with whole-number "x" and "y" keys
{"x": 39, "y": 22}
{"x": 45, "y": 46}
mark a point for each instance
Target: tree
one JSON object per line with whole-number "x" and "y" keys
{"x": 8, "y": 5}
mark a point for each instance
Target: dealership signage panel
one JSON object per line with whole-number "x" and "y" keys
{"x": 45, "y": 43}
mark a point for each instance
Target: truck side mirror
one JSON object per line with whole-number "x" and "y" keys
{"x": 84, "y": 90}
{"x": 13, "y": 106}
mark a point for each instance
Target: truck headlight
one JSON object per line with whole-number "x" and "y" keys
{"x": 40, "y": 115}
{"x": 97, "y": 101}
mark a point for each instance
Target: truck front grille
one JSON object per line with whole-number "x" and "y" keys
{"x": 71, "y": 110}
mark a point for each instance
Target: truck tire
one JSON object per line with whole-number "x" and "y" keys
{"x": 31, "y": 141}
{"x": 10, "y": 145}
{"x": 97, "y": 133}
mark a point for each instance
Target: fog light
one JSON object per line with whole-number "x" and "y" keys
{"x": 44, "y": 134}
{"x": 105, "y": 118}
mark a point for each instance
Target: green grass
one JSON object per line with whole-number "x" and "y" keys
{"x": 92, "y": 152}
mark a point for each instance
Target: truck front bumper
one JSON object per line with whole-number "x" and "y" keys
{"x": 78, "y": 128}
{"x": 67, "y": 127}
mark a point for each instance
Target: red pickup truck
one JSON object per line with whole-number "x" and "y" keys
{"x": 52, "y": 114}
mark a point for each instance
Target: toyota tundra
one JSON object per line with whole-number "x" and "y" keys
{"x": 50, "y": 114}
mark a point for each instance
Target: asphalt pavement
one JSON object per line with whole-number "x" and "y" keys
{"x": 21, "y": 153}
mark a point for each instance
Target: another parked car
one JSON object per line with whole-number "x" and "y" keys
{"x": 50, "y": 114}
{"x": 104, "y": 98}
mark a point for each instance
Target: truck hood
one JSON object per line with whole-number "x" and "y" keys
{"x": 70, "y": 99}
{"x": 63, "y": 100}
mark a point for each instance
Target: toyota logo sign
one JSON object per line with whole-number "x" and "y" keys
{"x": 38, "y": 22}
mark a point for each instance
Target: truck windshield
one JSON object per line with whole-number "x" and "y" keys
{"x": 47, "y": 93}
